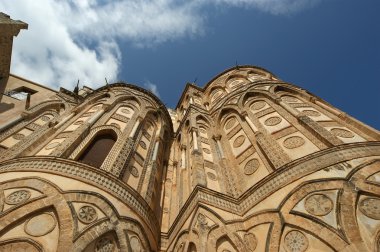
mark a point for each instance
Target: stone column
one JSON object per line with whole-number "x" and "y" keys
{"x": 151, "y": 171}
{"x": 199, "y": 174}
{"x": 183, "y": 156}
{"x": 270, "y": 147}
{"x": 64, "y": 120}
{"x": 317, "y": 130}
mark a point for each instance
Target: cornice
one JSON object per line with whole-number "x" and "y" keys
{"x": 88, "y": 174}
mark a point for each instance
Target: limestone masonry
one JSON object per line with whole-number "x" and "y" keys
{"x": 246, "y": 163}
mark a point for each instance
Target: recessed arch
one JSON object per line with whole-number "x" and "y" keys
{"x": 98, "y": 148}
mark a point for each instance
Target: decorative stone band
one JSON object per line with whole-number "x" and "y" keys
{"x": 90, "y": 175}
{"x": 273, "y": 182}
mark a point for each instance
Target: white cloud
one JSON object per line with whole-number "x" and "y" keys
{"x": 80, "y": 39}
{"x": 272, "y": 6}
{"x": 152, "y": 87}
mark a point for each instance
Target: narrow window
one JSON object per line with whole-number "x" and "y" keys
{"x": 97, "y": 150}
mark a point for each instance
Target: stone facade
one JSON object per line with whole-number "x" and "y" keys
{"x": 247, "y": 163}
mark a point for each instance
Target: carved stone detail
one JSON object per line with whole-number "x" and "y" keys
{"x": 272, "y": 121}
{"x": 370, "y": 207}
{"x": 295, "y": 241}
{"x": 293, "y": 142}
{"x": 18, "y": 136}
{"x": 230, "y": 123}
{"x": 52, "y": 145}
{"x": 250, "y": 241}
{"x": 251, "y": 166}
{"x": 318, "y": 204}
{"x": 134, "y": 172}
{"x": 105, "y": 245}
{"x": 17, "y": 197}
{"x": 342, "y": 133}
{"x": 211, "y": 176}
{"x": 87, "y": 214}
{"x": 207, "y": 151}
{"x": 289, "y": 99}
{"x": 311, "y": 113}
{"x": 239, "y": 141}
{"x": 143, "y": 145}
{"x": 258, "y": 105}
{"x": 40, "y": 225}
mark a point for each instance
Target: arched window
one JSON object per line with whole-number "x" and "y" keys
{"x": 97, "y": 151}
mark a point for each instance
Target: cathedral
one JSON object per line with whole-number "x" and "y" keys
{"x": 247, "y": 162}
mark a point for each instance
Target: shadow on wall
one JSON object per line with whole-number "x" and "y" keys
{"x": 6, "y": 106}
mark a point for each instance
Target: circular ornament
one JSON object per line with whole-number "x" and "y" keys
{"x": 230, "y": 123}
{"x": 18, "y": 136}
{"x": 207, "y": 151}
{"x": 318, "y": 204}
{"x": 289, "y": 99}
{"x": 45, "y": 118}
{"x": 134, "y": 172}
{"x": 309, "y": 112}
{"x": 295, "y": 241}
{"x": 40, "y": 225}
{"x": 251, "y": 166}
{"x": 143, "y": 145}
{"x": 52, "y": 145}
{"x": 126, "y": 111}
{"x": 211, "y": 176}
{"x": 239, "y": 141}
{"x": 80, "y": 122}
{"x": 87, "y": 214}
{"x": 342, "y": 133}
{"x": 258, "y": 105}
{"x": 293, "y": 142}
{"x": 250, "y": 241}
{"x": 17, "y": 197}
{"x": 272, "y": 121}
{"x": 370, "y": 207}
{"x": 105, "y": 245}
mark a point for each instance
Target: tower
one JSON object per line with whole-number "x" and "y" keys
{"x": 246, "y": 163}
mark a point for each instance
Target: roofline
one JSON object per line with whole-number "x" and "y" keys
{"x": 217, "y": 76}
{"x": 32, "y": 82}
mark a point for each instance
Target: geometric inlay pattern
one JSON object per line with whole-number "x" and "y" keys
{"x": 251, "y": 166}
{"x": 370, "y": 207}
{"x": 105, "y": 245}
{"x": 295, "y": 241}
{"x": 342, "y": 133}
{"x": 318, "y": 204}
{"x": 87, "y": 214}
{"x": 293, "y": 142}
{"x": 17, "y": 197}
{"x": 272, "y": 121}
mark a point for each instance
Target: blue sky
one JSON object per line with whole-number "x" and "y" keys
{"x": 329, "y": 47}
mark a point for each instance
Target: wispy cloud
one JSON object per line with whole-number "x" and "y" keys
{"x": 152, "y": 87}
{"x": 80, "y": 39}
